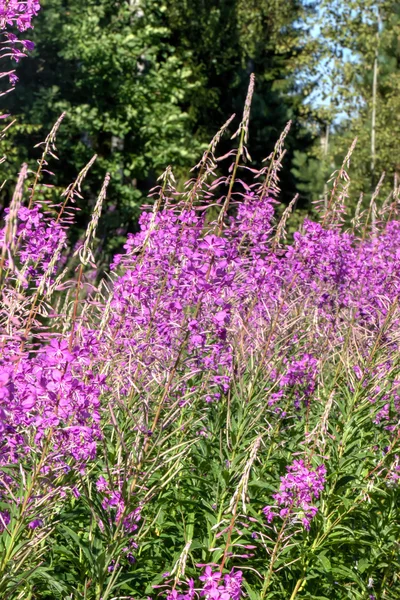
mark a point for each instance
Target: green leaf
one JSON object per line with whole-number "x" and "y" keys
{"x": 326, "y": 563}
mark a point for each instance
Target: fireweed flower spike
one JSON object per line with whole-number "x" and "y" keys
{"x": 299, "y": 488}
{"x": 16, "y": 14}
{"x": 212, "y": 585}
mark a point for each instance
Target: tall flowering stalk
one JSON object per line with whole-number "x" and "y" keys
{"x": 16, "y": 14}
{"x": 298, "y": 490}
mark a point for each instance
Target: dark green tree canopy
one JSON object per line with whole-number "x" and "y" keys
{"x": 361, "y": 50}
{"x": 146, "y": 83}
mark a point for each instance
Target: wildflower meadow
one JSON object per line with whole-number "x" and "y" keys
{"x": 216, "y": 415}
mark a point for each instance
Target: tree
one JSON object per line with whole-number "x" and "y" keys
{"x": 146, "y": 83}
{"x": 362, "y": 55}
{"x": 229, "y": 39}
{"x": 110, "y": 66}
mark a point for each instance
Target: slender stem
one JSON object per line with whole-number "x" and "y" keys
{"x": 275, "y": 551}
{"x": 75, "y": 310}
{"x": 297, "y": 588}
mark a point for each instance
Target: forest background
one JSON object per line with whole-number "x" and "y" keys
{"x": 146, "y": 84}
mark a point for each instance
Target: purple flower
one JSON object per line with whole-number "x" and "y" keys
{"x": 4, "y": 520}
{"x": 28, "y": 45}
{"x": 269, "y": 513}
{"x": 13, "y": 78}
{"x": 35, "y": 524}
{"x": 209, "y": 577}
{"x": 214, "y": 585}
{"x": 297, "y": 492}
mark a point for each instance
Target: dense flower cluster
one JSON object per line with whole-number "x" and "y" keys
{"x": 108, "y": 386}
{"x": 18, "y": 14}
{"x": 214, "y": 586}
{"x": 39, "y": 239}
{"x": 185, "y": 288}
{"x": 299, "y": 488}
{"x": 53, "y": 391}
{"x": 194, "y": 301}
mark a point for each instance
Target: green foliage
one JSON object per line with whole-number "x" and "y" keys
{"x": 146, "y": 84}
{"x": 359, "y": 79}
{"x": 198, "y": 498}
{"x": 233, "y": 38}
{"x": 113, "y": 70}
